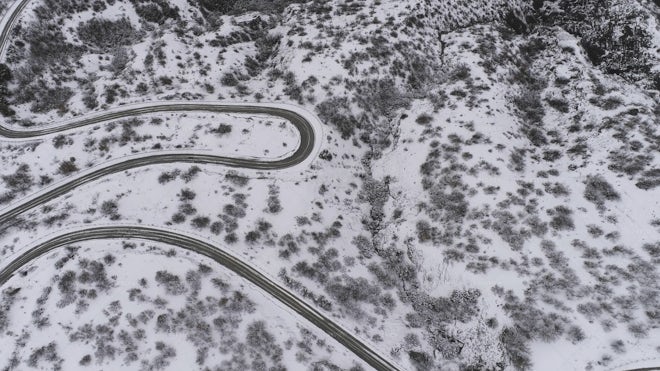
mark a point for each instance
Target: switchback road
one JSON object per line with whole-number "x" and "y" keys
{"x": 217, "y": 253}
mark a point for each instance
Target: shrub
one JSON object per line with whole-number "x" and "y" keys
{"x": 200, "y": 222}
{"x": 618, "y": 346}
{"x": 85, "y": 360}
{"x": 424, "y": 119}
{"x": 238, "y": 180}
{"x": 48, "y": 353}
{"x": 191, "y": 173}
{"x": 529, "y": 104}
{"x": 222, "y": 129}
{"x": 556, "y": 189}
{"x": 216, "y": 227}
{"x": 252, "y": 237}
{"x": 110, "y": 209}
{"x": 551, "y": 155}
{"x": 166, "y": 177}
{"x": 62, "y": 140}
{"x": 231, "y": 238}
{"x": 187, "y": 194}
{"x": 21, "y": 180}
{"x": 382, "y": 97}
{"x": 421, "y": 360}
{"x": 106, "y": 34}
{"x": 336, "y": 111}
{"x": 364, "y": 246}
{"x": 516, "y": 348}
{"x": 228, "y": 79}
{"x": 517, "y": 159}
{"x": 187, "y": 209}
{"x": 652, "y": 249}
{"x": 178, "y": 218}
{"x": 598, "y": 190}
{"x": 157, "y": 11}
{"x": 68, "y": 167}
{"x": 560, "y": 104}
{"x": 172, "y": 282}
{"x": 48, "y": 44}
{"x": 562, "y": 220}
{"x": 638, "y": 330}
{"x": 575, "y": 334}
{"x": 274, "y": 204}
{"x": 49, "y": 99}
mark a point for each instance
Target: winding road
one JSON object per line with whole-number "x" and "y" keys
{"x": 304, "y": 150}
{"x": 296, "y": 116}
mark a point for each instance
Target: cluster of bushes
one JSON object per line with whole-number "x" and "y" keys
{"x": 5, "y": 78}
{"x": 187, "y": 176}
{"x": 376, "y": 193}
{"x": 156, "y": 11}
{"x": 222, "y": 129}
{"x": 382, "y": 97}
{"x": 336, "y": 111}
{"x": 48, "y": 99}
{"x": 171, "y": 282}
{"x": 609, "y": 31}
{"x": 274, "y": 204}
{"x": 49, "y": 7}
{"x": 48, "y": 44}
{"x": 68, "y": 167}
{"x": 107, "y": 35}
{"x": 20, "y": 181}
{"x": 46, "y": 353}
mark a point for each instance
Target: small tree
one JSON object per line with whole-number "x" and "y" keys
{"x": 68, "y": 167}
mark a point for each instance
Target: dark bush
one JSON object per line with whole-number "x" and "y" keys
{"x": 157, "y": 11}
{"x": 252, "y": 237}
{"x": 652, "y": 249}
{"x": 236, "y": 179}
{"x": 516, "y": 348}
{"x": 62, "y": 140}
{"x": 529, "y": 104}
{"x": 560, "y": 104}
{"x": 172, "y": 282}
{"x": 48, "y": 99}
{"x": 228, "y": 79}
{"x": 106, "y": 34}
{"x": 200, "y": 222}
{"x": 21, "y": 180}
{"x": 598, "y": 190}
{"x": 110, "y": 209}
{"x": 421, "y": 360}
{"x": 187, "y": 194}
{"x": 68, "y": 167}
{"x": 222, "y": 129}
{"x": 337, "y": 112}
{"x": 216, "y": 227}
{"x": 424, "y": 119}
{"x": 562, "y": 220}
{"x": 48, "y": 44}
{"x": 424, "y": 231}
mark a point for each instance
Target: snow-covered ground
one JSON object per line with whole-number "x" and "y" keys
{"x": 481, "y": 195}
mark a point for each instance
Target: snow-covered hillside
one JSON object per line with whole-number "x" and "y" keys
{"x": 486, "y": 193}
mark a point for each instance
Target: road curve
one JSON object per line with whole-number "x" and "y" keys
{"x": 304, "y": 150}
{"x": 218, "y": 255}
